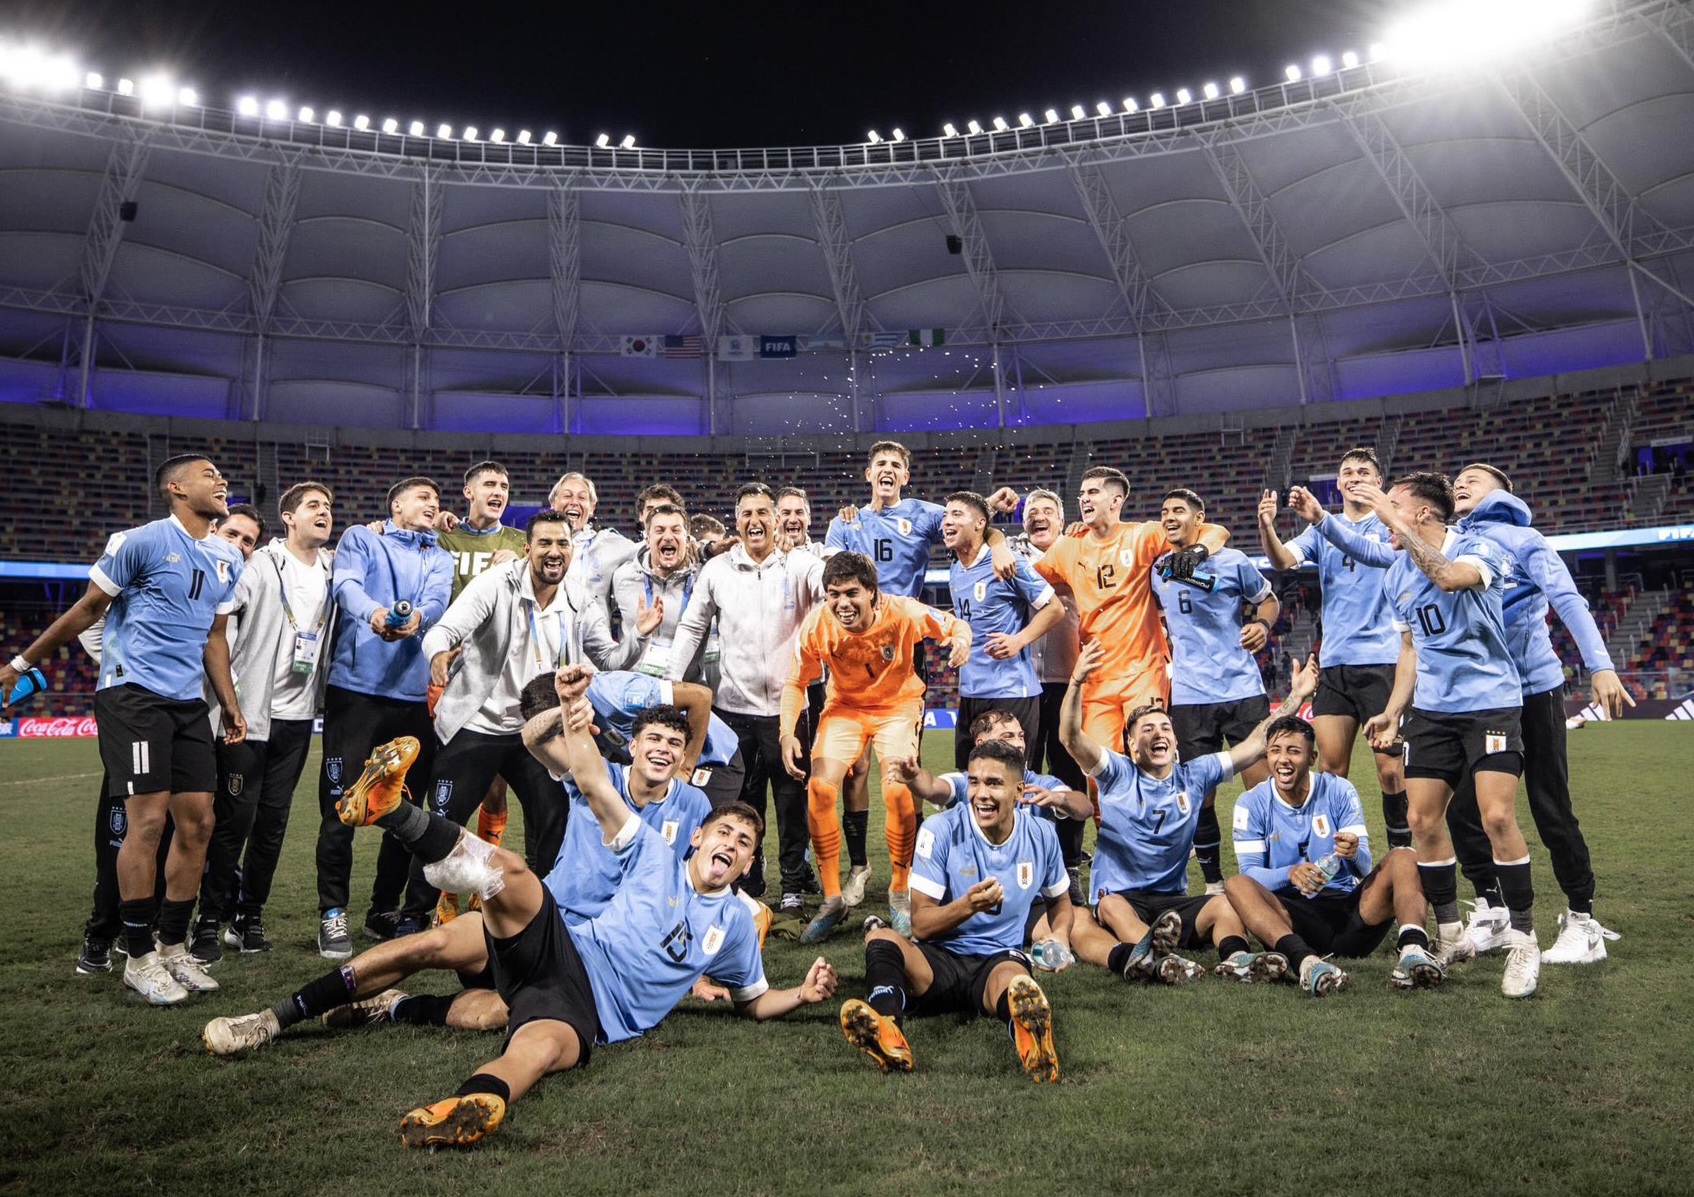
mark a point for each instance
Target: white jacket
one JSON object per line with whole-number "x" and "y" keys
{"x": 759, "y": 609}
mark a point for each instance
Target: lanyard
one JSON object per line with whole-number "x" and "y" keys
{"x": 687, "y": 588}
{"x": 535, "y": 638}
{"x": 282, "y": 582}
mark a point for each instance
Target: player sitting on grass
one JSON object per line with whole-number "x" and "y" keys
{"x": 1306, "y": 886}
{"x": 1149, "y": 808}
{"x": 980, "y": 867}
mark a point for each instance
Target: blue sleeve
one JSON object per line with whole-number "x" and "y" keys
{"x": 1249, "y": 836}
{"x": 1115, "y": 769}
{"x": 740, "y": 968}
{"x": 124, "y": 560}
{"x": 1352, "y": 814}
{"x": 929, "y": 862}
{"x": 1548, "y": 571}
{"x": 960, "y": 785}
{"x": 1305, "y": 545}
{"x": 928, "y": 523}
{"x": 1209, "y": 772}
{"x": 836, "y": 536}
{"x": 1054, "y": 879}
{"x": 437, "y": 591}
{"x": 1255, "y": 587}
{"x": 352, "y": 557}
{"x": 1356, "y": 545}
{"x": 1029, "y": 584}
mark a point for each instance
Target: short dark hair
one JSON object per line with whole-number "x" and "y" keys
{"x": 1109, "y": 474}
{"x": 296, "y": 495}
{"x": 891, "y": 447}
{"x": 406, "y": 484}
{"x": 545, "y": 516}
{"x": 794, "y": 492}
{"x": 668, "y": 509}
{"x": 1291, "y": 725}
{"x": 754, "y": 488}
{"x": 982, "y": 723}
{"x": 664, "y": 715}
{"x": 849, "y": 567}
{"x": 998, "y": 750}
{"x": 1363, "y": 453}
{"x": 252, "y": 513}
{"x": 1187, "y": 496}
{"x": 971, "y": 499}
{"x": 1430, "y": 487}
{"x": 539, "y": 694}
{"x": 1496, "y": 471}
{"x": 1140, "y": 713}
{"x": 658, "y": 490}
{"x": 171, "y": 468}
{"x": 701, "y": 526}
{"x": 486, "y": 467}
{"x": 739, "y": 812}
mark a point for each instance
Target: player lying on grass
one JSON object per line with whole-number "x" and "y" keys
{"x": 1149, "y": 808}
{"x": 1306, "y": 886}
{"x": 980, "y": 867}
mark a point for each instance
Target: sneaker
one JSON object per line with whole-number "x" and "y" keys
{"x": 206, "y": 942}
{"x": 381, "y": 787}
{"x": 879, "y": 1038}
{"x": 95, "y": 957}
{"x": 247, "y": 933}
{"x": 824, "y": 923}
{"x": 148, "y": 976}
{"x": 189, "y": 973}
{"x": 1488, "y": 928}
{"x": 379, "y": 925}
{"x": 1416, "y": 969}
{"x": 456, "y": 1122}
{"x": 1320, "y": 978}
{"x": 853, "y": 891}
{"x": 1078, "y": 898}
{"x": 793, "y": 904}
{"x": 1177, "y": 970}
{"x": 409, "y": 924}
{"x": 446, "y": 908}
{"x": 333, "y": 941}
{"x": 1582, "y": 940}
{"x": 232, "y": 1036}
{"x": 753, "y": 883}
{"x": 468, "y": 869}
{"x": 900, "y": 911}
{"x": 1032, "y": 1029}
{"x": 363, "y": 1012}
{"x": 1253, "y": 967}
{"x": 1523, "y": 966}
{"x": 809, "y": 884}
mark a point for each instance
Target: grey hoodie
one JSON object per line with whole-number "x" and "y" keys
{"x": 636, "y": 582}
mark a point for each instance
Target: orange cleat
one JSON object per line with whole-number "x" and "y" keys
{"x": 878, "y": 1037}
{"x": 456, "y": 1122}
{"x": 381, "y": 787}
{"x": 1032, "y": 1029}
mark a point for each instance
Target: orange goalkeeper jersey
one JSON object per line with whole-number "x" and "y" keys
{"x": 869, "y": 671}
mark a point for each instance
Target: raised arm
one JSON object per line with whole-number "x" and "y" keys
{"x": 587, "y": 767}
{"x": 1462, "y": 573}
{"x": 695, "y": 701}
{"x": 1280, "y": 557}
{"x": 925, "y": 786}
{"x": 1082, "y": 747}
{"x": 1360, "y": 548}
{"x": 1303, "y": 686}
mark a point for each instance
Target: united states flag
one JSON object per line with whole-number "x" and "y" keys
{"x": 684, "y": 347}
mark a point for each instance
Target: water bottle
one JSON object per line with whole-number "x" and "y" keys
{"x": 1329, "y": 864}
{"x": 1050, "y": 955}
{"x": 399, "y": 613}
{"x": 30, "y": 681}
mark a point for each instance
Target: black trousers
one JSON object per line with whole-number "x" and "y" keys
{"x": 465, "y": 766}
{"x": 111, "y": 824}
{"x": 353, "y": 725}
{"x": 761, "y": 757}
{"x": 1546, "y": 776}
{"x": 1061, "y": 765}
{"x": 256, "y": 780}
{"x": 1027, "y": 711}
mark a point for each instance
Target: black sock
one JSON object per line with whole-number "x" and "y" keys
{"x": 427, "y": 836}
{"x": 1441, "y": 889}
{"x": 1230, "y": 945}
{"x": 484, "y": 1082}
{"x": 1294, "y": 950}
{"x": 885, "y": 975}
{"x": 1208, "y": 846}
{"x": 1518, "y": 892}
{"x": 1394, "y": 817}
{"x": 334, "y": 988}
{"x": 853, "y": 826}
{"x": 138, "y": 917}
{"x": 1003, "y": 1007}
{"x": 173, "y": 920}
{"x": 1488, "y": 890}
{"x": 1412, "y": 935}
{"x": 423, "y": 1009}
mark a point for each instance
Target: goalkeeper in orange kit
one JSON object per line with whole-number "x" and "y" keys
{"x": 866, "y": 638}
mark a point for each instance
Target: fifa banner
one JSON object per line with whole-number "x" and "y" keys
{"x": 78, "y": 727}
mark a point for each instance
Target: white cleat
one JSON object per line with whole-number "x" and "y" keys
{"x": 1488, "y": 928}
{"x": 1214, "y": 889}
{"x": 467, "y": 869}
{"x": 189, "y": 972}
{"x": 149, "y": 977}
{"x": 232, "y": 1036}
{"x": 1582, "y": 940}
{"x": 1523, "y": 966}
{"x": 853, "y": 889}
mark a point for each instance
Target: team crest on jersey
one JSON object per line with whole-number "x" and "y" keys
{"x": 888, "y": 652}
{"x": 1126, "y": 557}
{"x": 668, "y": 829}
{"x": 223, "y": 570}
{"x": 712, "y": 942}
{"x": 1026, "y": 874}
{"x": 1320, "y": 825}
{"x": 980, "y": 591}
{"x": 235, "y": 781}
{"x": 905, "y": 527}
{"x": 443, "y": 792}
{"x": 1182, "y": 805}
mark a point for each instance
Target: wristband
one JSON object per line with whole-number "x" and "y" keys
{"x": 22, "y": 666}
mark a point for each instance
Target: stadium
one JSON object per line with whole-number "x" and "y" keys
{"x": 1446, "y": 249}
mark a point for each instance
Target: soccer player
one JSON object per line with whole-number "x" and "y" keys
{"x": 1306, "y": 886}
{"x": 165, "y": 589}
{"x": 1535, "y": 577}
{"x": 867, "y": 639}
{"x": 599, "y": 551}
{"x": 1042, "y": 791}
{"x": 1457, "y": 704}
{"x": 480, "y": 541}
{"x": 758, "y": 595}
{"x": 282, "y": 609}
{"x": 1149, "y": 806}
{"x": 377, "y": 689}
{"x": 1359, "y": 646}
{"x": 1109, "y": 571}
{"x": 1005, "y": 617}
{"x": 979, "y": 869}
{"x": 1217, "y": 691}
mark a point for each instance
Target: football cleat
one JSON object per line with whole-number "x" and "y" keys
{"x": 1582, "y": 940}
{"x": 1141, "y": 962}
{"x": 148, "y": 976}
{"x": 1523, "y": 966}
{"x": 853, "y": 889}
{"x": 1166, "y": 933}
{"x": 232, "y": 1036}
{"x": 1177, "y": 970}
{"x": 456, "y": 1122}
{"x": 900, "y": 911}
{"x": 364, "y": 1012}
{"x": 1416, "y": 969}
{"x": 1254, "y": 967}
{"x": 95, "y": 957}
{"x": 824, "y": 923}
{"x": 1454, "y": 948}
{"x": 1320, "y": 978}
{"x": 762, "y": 916}
{"x": 381, "y": 787}
{"x": 447, "y": 907}
{"x": 1032, "y": 1029}
{"x": 1488, "y": 928}
{"x": 189, "y": 972}
{"x": 468, "y": 869}
{"x": 879, "y": 1038}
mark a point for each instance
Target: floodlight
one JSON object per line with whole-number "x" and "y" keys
{"x": 1237, "y": 85}
{"x": 973, "y": 127}
{"x": 497, "y": 136}
{"x": 307, "y": 115}
{"x": 1377, "y": 51}
{"x": 1025, "y": 121}
{"x": 1078, "y": 112}
{"x": 872, "y": 137}
{"x": 125, "y": 87}
{"x": 949, "y": 130}
{"x": 247, "y": 106}
{"x": 1349, "y": 60}
{"x": 899, "y": 134}
{"x": 523, "y": 136}
{"x": 361, "y": 123}
{"x": 1131, "y": 104}
{"x": 1184, "y": 96}
{"x": 628, "y": 141}
{"x": 1000, "y": 125}
{"x": 186, "y": 98}
{"x": 276, "y": 110}
{"x": 156, "y": 91}
{"x": 602, "y": 141}
{"x": 470, "y": 132}
{"x": 415, "y": 129}
{"x": 1103, "y": 108}
{"x": 1292, "y": 73}
{"x": 550, "y": 139}
{"x": 1210, "y": 91}
{"x": 1320, "y": 66}
{"x": 1157, "y": 99}
{"x": 1449, "y": 34}
{"x": 332, "y": 118}
{"x": 93, "y": 82}
{"x": 390, "y": 125}
{"x": 1051, "y": 116}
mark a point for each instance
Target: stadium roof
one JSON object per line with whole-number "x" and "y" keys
{"x": 1367, "y": 232}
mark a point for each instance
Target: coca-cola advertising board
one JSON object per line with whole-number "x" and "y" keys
{"x": 68, "y": 727}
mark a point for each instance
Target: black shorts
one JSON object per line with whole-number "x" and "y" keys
{"x": 151, "y": 744}
{"x": 960, "y": 980}
{"x": 540, "y": 976}
{"x": 1330, "y": 924}
{"x": 1450, "y": 747}
{"x": 1148, "y": 906}
{"x": 1357, "y": 692}
{"x": 1204, "y": 728}
{"x": 1027, "y": 711}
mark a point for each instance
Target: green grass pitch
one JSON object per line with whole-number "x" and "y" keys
{"x": 1216, "y": 1088}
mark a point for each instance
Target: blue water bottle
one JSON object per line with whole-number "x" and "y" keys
{"x": 30, "y": 681}
{"x": 399, "y": 613}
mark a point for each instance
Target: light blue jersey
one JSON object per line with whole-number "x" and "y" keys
{"x": 1147, "y": 825}
{"x": 991, "y": 606}
{"x": 960, "y": 784}
{"x": 953, "y": 854}
{"x": 1464, "y": 663}
{"x": 1208, "y": 664}
{"x": 166, "y": 589}
{"x": 619, "y": 695}
{"x": 658, "y": 935}
{"x": 897, "y": 539}
{"x": 585, "y": 876}
{"x": 1272, "y": 837}
{"x": 1358, "y": 628}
